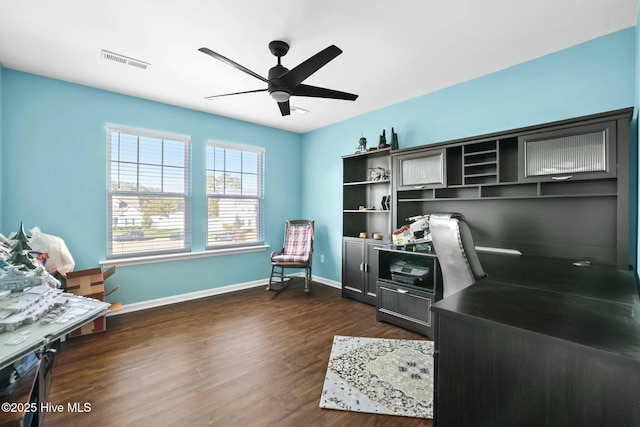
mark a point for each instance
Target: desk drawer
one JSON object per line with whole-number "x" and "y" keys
{"x": 407, "y": 304}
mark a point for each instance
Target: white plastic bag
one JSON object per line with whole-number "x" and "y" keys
{"x": 51, "y": 251}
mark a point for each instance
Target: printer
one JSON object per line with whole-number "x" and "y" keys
{"x": 411, "y": 274}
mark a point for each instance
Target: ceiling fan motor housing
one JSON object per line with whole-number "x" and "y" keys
{"x": 275, "y": 83}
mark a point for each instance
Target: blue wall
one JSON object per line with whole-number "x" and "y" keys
{"x": 54, "y": 169}
{"x": 589, "y": 78}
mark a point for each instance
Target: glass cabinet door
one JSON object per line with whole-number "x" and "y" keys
{"x": 578, "y": 153}
{"x": 421, "y": 170}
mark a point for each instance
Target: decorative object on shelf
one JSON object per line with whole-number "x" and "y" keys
{"x": 362, "y": 145}
{"x": 363, "y": 235}
{"x": 377, "y": 236}
{"x": 383, "y": 140}
{"x": 361, "y": 208}
{"x": 386, "y": 203}
{"x": 401, "y": 236}
{"x": 394, "y": 140}
{"x": 379, "y": 174}
{"x": 412, "y": 234}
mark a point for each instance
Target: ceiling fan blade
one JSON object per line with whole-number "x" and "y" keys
{"x": 284, "y": 108}
{"x": 320, "y": 92}
{"x": 297, "y": 75}
{"x": 232, "y": 63}
{"x": 235, "y": 93}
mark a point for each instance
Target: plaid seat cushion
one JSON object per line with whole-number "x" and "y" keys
{"x": 297, "y": 245}
{"x": 290, "y": 258}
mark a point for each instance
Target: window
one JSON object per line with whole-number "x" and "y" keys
{"x": 147, "y": 192}
{"x": 234, "y": 195}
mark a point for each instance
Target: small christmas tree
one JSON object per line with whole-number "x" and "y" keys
{"x": 19, "y": 257}
{"x": 22, "y": 238}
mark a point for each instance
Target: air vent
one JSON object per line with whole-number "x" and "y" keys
{"x": 125, "y": 60}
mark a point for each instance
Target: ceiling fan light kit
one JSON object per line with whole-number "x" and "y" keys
{"x": 284, "y": 83}
{"x": 280, "y": 96}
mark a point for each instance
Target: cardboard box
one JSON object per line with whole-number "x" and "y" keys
{"x": 90, "y": 283}
{"x": 97, "y": 325}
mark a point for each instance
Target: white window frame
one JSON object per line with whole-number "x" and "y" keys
{"x": 258, "y": 197}
{"x": 114, "y": 193}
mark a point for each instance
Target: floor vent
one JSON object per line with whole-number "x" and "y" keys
{"x": 125, "y": 60}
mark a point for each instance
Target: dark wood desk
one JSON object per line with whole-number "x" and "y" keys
{"x": 21, "y": 396}
{"x": 560, "y": 275}
{"x": 539, "y": 343}
{"x": 40, "y": 338}
{"x": 30, "y": 392}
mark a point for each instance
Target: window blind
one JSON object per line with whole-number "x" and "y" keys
{"x": 234, "y": 182}
{"x": 148, "y": 192}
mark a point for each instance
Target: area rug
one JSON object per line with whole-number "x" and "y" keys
{"x": 382, "y": 376}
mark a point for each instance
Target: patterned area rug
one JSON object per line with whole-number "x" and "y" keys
{"x": 382, "y": 376}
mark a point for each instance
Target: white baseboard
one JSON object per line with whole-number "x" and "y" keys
{"x": 159, "y": 302}
{"x": 322, "y": 280}
{"x": 332, "y": 283}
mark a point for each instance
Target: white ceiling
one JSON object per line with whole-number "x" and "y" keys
{"x": 392, "y": 50}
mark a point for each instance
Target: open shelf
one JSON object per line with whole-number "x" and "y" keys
{"x": 364, "y": 187}
{"x": 514, "y": 190}
{"x": 381, "y": 181}
{"x": 480, "y": 163}
{"x": 363, "y": 211}
{"x": 582, "y": 187}
{"x": 457, "y": 192}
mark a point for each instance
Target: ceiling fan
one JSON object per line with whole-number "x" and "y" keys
{"x": 284, "y": 83}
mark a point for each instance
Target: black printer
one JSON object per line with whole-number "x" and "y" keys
{"x": 411, "y": 274}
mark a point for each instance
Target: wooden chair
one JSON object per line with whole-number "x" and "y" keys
{"x": 296, "y": 253}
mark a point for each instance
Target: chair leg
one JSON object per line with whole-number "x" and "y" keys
{"x": 271, "y": 277}
{"x": 278, "y": 279}
{"x": 307, "y": 279}
{"x": 281, "y": 276}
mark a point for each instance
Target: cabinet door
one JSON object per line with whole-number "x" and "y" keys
{"x": 425, "y": 169}
{"x": 371, "y": 270}
{"x": 581, "y": 152}
{"x": 353, "y": 266}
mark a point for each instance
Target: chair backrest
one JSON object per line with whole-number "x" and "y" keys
{"x": 456, "y": 252}
{"x": 298, "y": 238}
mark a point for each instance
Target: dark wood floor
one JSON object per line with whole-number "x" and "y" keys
{"x": 249, "y": 358}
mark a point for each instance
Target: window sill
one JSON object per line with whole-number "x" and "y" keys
{"x": 121, "y": 262}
